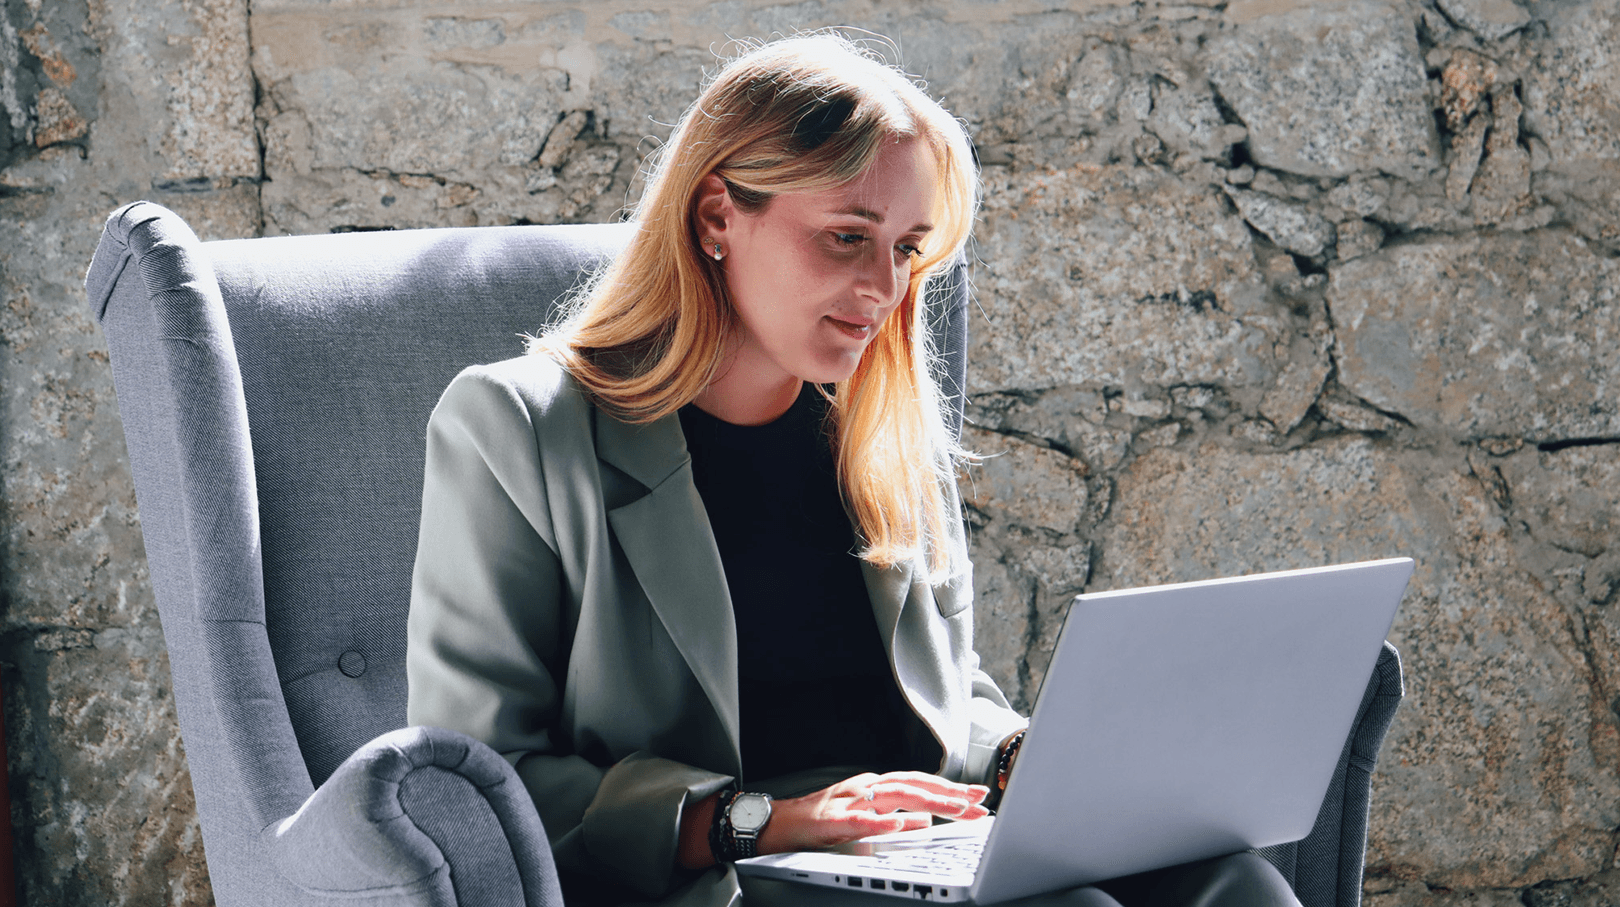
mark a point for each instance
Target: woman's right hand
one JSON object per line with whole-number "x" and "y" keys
{"x": 868, "y": 804}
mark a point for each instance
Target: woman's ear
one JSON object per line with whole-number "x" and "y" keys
{"x": 713, "y": 212}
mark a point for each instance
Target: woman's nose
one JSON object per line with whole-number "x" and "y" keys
{"x": 880, "y": 278}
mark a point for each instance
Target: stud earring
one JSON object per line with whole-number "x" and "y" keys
{"x": 717, "y": 253}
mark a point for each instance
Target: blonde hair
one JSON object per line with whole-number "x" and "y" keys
{"x": 648, "y": 333}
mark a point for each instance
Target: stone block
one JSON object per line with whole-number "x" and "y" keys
{"x": 1060, "y": 572}
{"x": 1568, "y": 502}
{"x": 179, "y": 88}
{"x": 1602, "y": 890}
{"x": 1500, "y": 768}
{"x": 1462, "y": 158}
{"x": 107, "y": 814}
{"x": 1034, "y": 82}
{"x": 1327, "y": 89}
{"x": 1570, "y": 499}
{"x": 68, "y": 511}
{"x": 1351, "y": 413}
{"x": 1500, "y": 189}
{"x": 376, "y": 95}
{"x": 59, "y": 120}
{"x": 1483, "y": 335}
{"x": 1358, "y": 237}
{"x": 210, "y": 96}
{"x": 1424, "y": 207}
{"x": 1117, "y": 277}
{"x": 1465, "y": 82}
{"x": 49, "y": 74}
{"x": 1024, "y": 582}
{"x": 1588, "y": 196}
{"x": 1296, "y": 390}
{"x": 1361, "y": 196}
{"x": 1292, "y": 226}
{"x": 1186, "y": 119}
{"x": 1572, "y": 82}
{"x": 1027, "y": 505}
{"x": 522, "y": 114}
{"x": 1070, "y": 418}
{"x": 1003, "y": 601}
{"x": 1492, "y": 20}
{"x": 1379, "y": 893}
{"x": 230, "y": 212}
{"x": 1024, "y": 484}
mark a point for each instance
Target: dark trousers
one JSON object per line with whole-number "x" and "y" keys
{"x": 1238, "y": 880}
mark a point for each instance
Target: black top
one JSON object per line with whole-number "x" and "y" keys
{"x": 816, "y": 685}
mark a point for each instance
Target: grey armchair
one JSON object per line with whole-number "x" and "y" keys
{"x": 274, "y": 395}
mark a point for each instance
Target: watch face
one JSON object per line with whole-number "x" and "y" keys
{"x": 749, "y": 812}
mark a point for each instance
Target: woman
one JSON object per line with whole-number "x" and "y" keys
{"x": 702, "y": 548}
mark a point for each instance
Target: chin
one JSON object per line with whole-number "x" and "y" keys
{"x": 830, "y": 375}
{"x": 831, "y": 365}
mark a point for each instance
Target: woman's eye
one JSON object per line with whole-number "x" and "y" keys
{"x": 849, "y": 239}
{"x": 909, "y": 251}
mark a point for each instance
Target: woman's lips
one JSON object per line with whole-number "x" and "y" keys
{"x": 856, "y": 330}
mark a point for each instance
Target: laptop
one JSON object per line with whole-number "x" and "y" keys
{"x": 1175, "y": 723}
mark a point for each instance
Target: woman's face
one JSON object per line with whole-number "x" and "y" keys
{"x": 814, "y": 275}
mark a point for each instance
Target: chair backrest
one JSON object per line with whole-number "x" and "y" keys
{"x": 291, "y": 379}
{"x": 344, "y": 344}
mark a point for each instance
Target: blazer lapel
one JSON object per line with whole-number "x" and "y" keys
{"x": 888, "y": 588}
{"x": 667, "y": 541}
{"x": 919, "y": 648}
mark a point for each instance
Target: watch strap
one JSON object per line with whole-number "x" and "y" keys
{"x": 744, "y": 846}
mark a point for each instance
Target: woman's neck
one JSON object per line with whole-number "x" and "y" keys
{"x": 742, "y": 396}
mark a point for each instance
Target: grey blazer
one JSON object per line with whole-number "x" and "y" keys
{"x": 569, "y": 608}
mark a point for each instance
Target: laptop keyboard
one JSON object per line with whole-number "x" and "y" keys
{"x": 954, "y": 858}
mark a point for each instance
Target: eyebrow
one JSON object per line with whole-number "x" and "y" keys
{"x": 876, "y": 218}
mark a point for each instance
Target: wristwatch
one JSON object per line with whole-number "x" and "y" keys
{"x": 746, "y": 816}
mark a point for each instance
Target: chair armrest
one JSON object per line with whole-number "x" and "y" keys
{"x": 420, "y": 815}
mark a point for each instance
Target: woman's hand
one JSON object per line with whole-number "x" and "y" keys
{"x": 868, "y": 804}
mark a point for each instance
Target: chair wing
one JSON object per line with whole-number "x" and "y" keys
{"x": 275, "y": 395}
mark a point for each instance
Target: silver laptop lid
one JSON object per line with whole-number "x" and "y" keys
{"x": 1185, "y": 721}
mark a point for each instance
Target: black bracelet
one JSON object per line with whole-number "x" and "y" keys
{"x": 720, "y": 829}
{"x": 1004, "y": 764}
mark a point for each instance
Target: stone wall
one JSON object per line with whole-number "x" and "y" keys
{"x": 1260, "y": 284}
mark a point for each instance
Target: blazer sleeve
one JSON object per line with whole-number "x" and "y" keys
{"x": 993, "y": 720}
{"x": 991, "y": 717}
{"x": 488, "y": 642}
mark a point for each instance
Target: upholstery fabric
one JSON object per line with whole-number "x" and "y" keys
{"x": 403, "y": 811}
{"x": 274, "y": 396}
{"x": 344, "y": 345}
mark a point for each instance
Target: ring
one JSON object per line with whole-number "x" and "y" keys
{"x": 870, "y": 795}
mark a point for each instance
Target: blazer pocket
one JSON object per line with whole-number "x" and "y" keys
{"x": 954, "y": 594}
